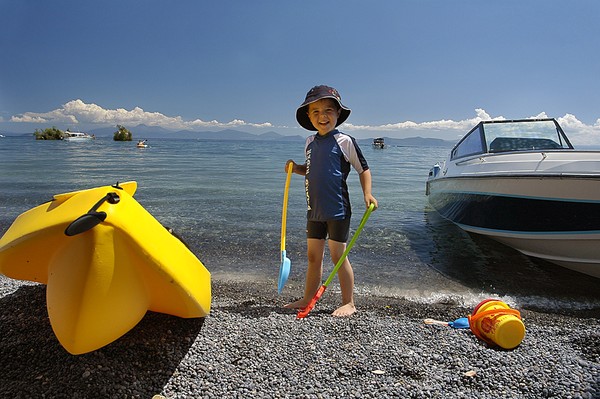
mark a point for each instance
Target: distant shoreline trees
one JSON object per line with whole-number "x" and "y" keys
{"x": 122, "y": 134}
{"x": 50, "y": 133}
{"x": 54, "y": 133}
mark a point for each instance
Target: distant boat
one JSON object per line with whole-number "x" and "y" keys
{"x": 1, "y": 136}
{"x": 142, "y": 144}
{"x": 77, "y": 136}
{"x": 378, "y": 143}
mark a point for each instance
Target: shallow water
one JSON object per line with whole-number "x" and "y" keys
{"x": 225, "y": 199}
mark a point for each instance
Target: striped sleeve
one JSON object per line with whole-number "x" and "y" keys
{"x": 352, "y": 152}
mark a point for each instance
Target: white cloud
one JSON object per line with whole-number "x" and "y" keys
{"x": 444, "y": 124}
{"x": 79, "y": 112}
{"x": 577, "y": 131}
{"x": 76, "y": 111}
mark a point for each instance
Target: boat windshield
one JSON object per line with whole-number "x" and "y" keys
{"x": 524, "y": 136}
{"x": 504, "y": 136}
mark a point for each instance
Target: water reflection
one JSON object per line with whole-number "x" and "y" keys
{"x": 481, "y": 263}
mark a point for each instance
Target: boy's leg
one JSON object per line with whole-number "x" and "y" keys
{"x": 346, "y": 278}
{"x": 314, "y": 272}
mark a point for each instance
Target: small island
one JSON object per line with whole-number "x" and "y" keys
{"x": 51, "y": 133}
{"x": 122, "y": 134}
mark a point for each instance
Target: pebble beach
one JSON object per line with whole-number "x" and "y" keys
{"x": 250, "y": 346}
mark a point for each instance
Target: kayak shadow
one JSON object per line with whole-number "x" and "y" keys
{"x": 34, "y": 364}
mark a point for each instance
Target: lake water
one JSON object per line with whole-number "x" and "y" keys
{"x": 225, "y": 199}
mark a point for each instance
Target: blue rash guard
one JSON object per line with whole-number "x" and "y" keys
{"x": 328, "y": 161}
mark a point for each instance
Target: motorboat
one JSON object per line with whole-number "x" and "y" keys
{"x": 379, "y": 142}
{"x": 522, "y": 183}
{"x": 77, "y": 136}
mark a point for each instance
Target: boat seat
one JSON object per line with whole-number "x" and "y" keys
{"x": 503, "y": 144}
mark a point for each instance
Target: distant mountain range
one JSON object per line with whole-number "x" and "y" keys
{"x": 412, "y": 142}
{"x": 151, "y": 132}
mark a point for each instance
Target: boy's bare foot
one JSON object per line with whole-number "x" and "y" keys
{"x": 345, "y": 310}
{"x": 299, "y": 304}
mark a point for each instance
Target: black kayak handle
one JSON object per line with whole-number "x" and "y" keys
{"x": 92, "y": 218}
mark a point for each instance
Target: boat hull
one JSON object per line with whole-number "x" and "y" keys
{"x": 553, "y": 217}
{"x": 103, "y": 277}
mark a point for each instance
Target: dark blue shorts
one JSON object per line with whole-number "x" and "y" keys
{"x": 336, "y": 230}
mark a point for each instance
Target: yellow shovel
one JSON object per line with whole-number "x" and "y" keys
{"x": 286, "y": 263}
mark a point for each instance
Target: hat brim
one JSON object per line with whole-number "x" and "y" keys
{"x": 304, "y": 120}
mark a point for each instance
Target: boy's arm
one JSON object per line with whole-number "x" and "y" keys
{"x": 365, "y": 182}
{"x": 298, "y": 169}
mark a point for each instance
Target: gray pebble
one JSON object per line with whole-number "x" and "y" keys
{"x": 250, "y": 346}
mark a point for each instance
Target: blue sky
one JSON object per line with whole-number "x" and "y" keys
{"x": 405, "y": 68}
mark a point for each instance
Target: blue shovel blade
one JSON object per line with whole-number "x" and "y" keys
{"x": 284, "y": 271}
{"x": 463, "y": 322}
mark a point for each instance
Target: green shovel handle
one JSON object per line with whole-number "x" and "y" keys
{"x": 351, "y": 244}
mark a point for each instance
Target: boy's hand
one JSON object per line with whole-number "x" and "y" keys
{"x": 289, "y": 161}
{"x": 369, "y": 199}
{"x": 297, "y": 169}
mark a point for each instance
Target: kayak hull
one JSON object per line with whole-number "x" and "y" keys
{"x": 102, "y": 281}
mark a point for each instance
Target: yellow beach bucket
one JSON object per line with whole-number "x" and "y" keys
{"x": 494, "y": 322}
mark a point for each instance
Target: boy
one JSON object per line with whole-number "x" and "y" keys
{"x": 329, "y": 155}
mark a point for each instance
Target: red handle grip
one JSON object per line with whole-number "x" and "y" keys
{"x": 304, "y": 312}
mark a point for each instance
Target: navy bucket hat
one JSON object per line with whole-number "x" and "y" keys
{"x": 315, "y": 94}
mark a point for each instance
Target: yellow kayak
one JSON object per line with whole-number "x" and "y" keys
{"x": 106, "y": 261}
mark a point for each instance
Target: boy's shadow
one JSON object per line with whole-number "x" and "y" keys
{"x": 263, "y": 307}
{"x": 34, "y": 364}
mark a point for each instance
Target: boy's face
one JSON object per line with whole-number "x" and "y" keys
{"x": 323, "y": 114}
